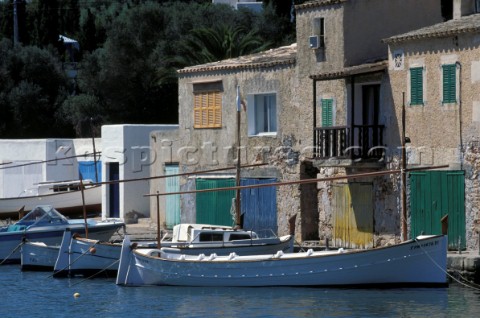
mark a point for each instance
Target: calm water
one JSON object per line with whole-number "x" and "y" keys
{"x": 30, "y": 294}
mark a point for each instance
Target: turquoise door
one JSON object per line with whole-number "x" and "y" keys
{"x": 172, "y": 202}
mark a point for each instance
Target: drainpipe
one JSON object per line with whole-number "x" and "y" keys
{"x": 460, "y": 121}
{"x": 315, "y": 149}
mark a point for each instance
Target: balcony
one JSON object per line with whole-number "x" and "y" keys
{"x": 359, "y": 142}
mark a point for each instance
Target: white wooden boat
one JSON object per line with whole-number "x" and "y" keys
{"x": 78, "y": 256}
{"x": 45, "y": 224}
{"x": 417, "y": 262}
{"x": 38, "y": 256}
{"x": 87, "y": 257}
{"x": 65, "y": 196}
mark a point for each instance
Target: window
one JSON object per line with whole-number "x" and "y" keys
{"x": 449, "y": 72}
{"x": 327, "y": 112}
{"x": 319, "y": 30}
{"x": 210, "y": 237}
{"x": 262, "y": 117}
{"x": 416, "y": 86}
{"x": 207, "y": 105}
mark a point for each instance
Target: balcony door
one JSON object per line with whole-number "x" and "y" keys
{"x": 370, "y": 110}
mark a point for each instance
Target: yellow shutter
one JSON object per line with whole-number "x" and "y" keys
{"x": 207, "y": 110}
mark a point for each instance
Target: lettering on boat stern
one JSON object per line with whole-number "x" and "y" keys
{"x": 434, "y": 243}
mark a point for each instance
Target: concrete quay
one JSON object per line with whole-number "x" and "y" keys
{"x": 464, "y": 265}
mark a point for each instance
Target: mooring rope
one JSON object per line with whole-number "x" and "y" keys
{"x": 70, "y": 264}
{"x": 14, "y": 250}
{"x": 469, "y": 285}
{"x": 101, "y": 271}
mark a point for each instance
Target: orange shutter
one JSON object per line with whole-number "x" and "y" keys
{"x": 207, "y": 110}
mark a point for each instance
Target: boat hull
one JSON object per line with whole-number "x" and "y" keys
{"x": 87, "y": 257}
{"x": 68, "y": 203}
{"x": 36, "y": 256}
{"x": 420, "y": 262}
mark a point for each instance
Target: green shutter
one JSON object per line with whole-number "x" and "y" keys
{"x": 449, "y": 83}
{"x": 416, "y": 86}
{"x": 327, "y": 112}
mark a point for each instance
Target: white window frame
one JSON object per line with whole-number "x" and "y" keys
{"x": 253, "y": 129}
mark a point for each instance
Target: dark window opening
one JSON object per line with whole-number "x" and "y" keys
{"x": 211, "y": 237}
{"x": 235, "y": 237}
{"x": 447, "y": 9}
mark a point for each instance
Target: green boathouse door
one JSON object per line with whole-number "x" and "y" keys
{"x": 434, "y": 194}
{"x": 214, "y": 207}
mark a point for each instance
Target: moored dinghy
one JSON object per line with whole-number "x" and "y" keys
{"x": 417, "y": 262}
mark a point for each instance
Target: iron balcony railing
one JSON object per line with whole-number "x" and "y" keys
{"x": 349, "y": 142}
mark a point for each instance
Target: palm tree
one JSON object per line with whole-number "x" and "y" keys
{"x": 205, "y": 45}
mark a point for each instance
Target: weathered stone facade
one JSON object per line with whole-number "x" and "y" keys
{"x": 442, "y": 133}
{"x": 348, "y": 67}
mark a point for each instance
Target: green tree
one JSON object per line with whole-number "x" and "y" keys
{"x": 44, "y": 23}
{"x": 31, "y": 93}
{"x": 221, "y": 42}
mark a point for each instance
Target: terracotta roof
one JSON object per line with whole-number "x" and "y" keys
{"x": 466, "y": 24}
{"x": 352, "y": 70}
{"x": 284, "y": 55}
{"x": 318, "y": 3}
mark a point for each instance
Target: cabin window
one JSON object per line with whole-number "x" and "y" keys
{"x": 210, "y": 237}
{"x": 262, "y": 114}
{"x": 236, "y": 237}
{"x": 416, "y": 86}
{"x": 207, "y": 105}
{"x": 449, "y": 82}
{"x": 327, "y": 112}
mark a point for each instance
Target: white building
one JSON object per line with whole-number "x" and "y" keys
{"x": 27, "y": 162}
{"x": 127, "y": 155}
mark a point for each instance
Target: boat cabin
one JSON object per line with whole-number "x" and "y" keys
{"x": 198, "y": 233}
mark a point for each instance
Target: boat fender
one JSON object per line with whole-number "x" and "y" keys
{"x": 92, "y": 250}
{"x": 232, "y": 256}
{"x": 279, "y": 254}
{"x": 200, "y": 257}
{"x": 182, "y": 257}
{"x": 341, "y": 250}
{"x": 212, "y": 257}
{"x": 309, "y": 252}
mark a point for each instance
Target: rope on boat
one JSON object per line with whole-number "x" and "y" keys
{"x": 100, "y": 271}
{"x": 70, "y": 264}
{"x": 469, "y": 284}
{"x": 14, "y": 250}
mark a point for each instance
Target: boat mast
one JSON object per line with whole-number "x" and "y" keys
{"x": 404, "y": 177}
{"x": 84, "y": 208}
{"x": 94, "y": 151}
{"x": 238, "y": 223}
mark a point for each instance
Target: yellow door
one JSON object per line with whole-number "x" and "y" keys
{"x": 353, "y": 215}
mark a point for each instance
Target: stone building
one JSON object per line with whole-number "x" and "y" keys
{"x": 318, "y": 108}
{"x": 341, "y": 63}
{"x": 435, "y": 72}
